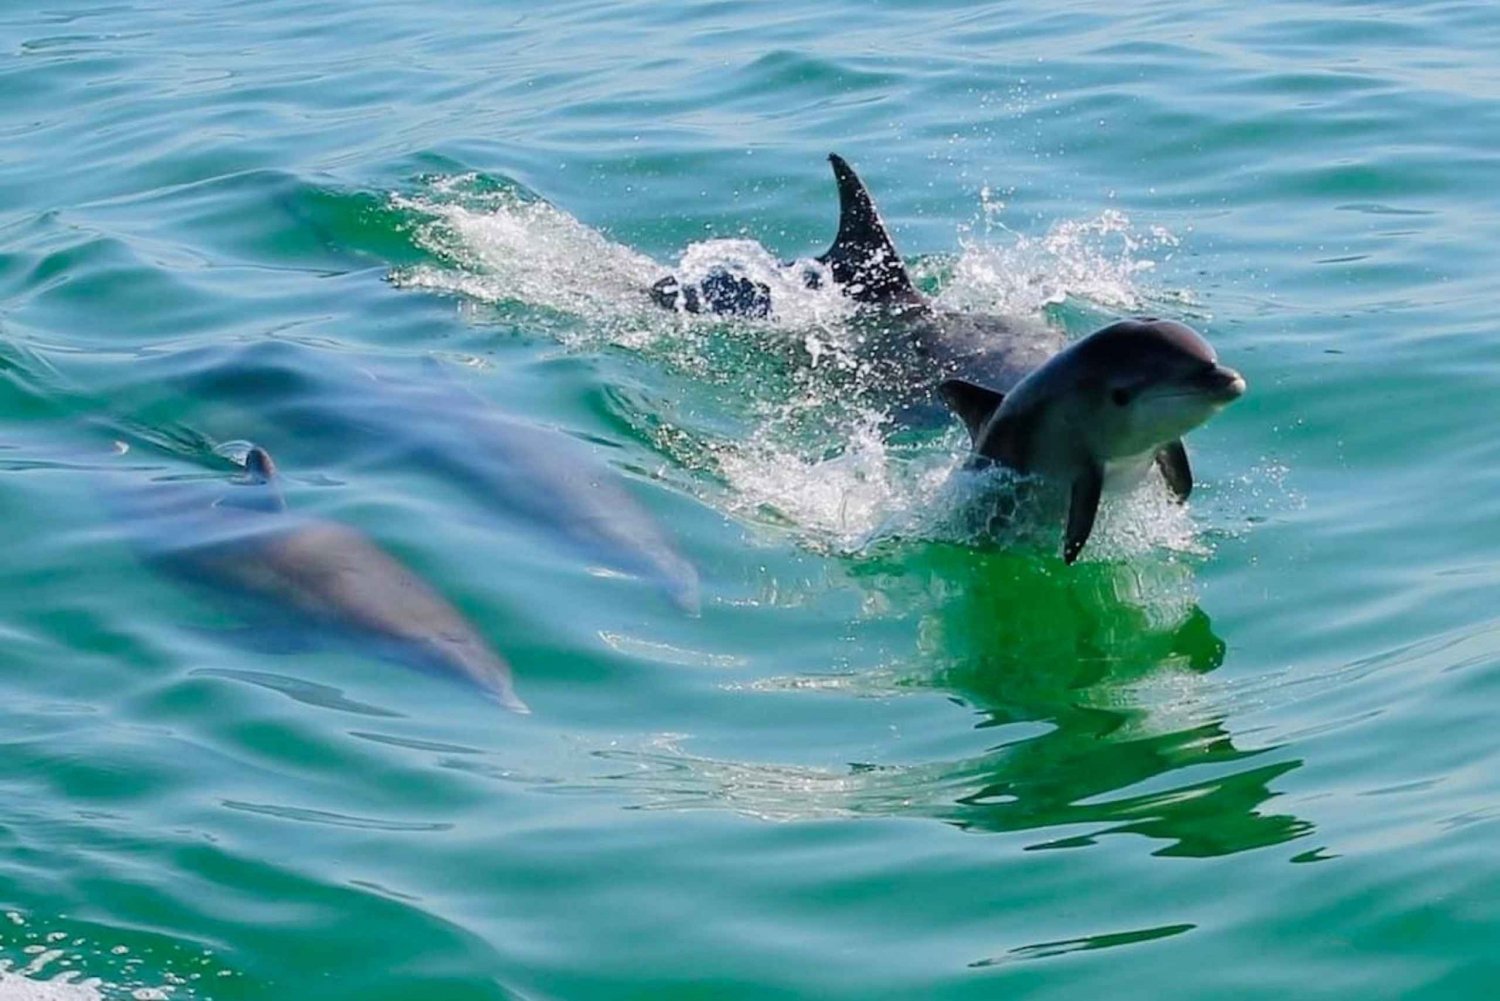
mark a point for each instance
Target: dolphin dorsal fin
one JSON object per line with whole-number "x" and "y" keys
{"x": 260, "y": 471}
{"x": 863, "y": 259}
{"x": 973, "y": 403}
{"x": 259, "y": 464}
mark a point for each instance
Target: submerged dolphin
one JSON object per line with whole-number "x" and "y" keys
{"x": 537, "y": 475}
{"x": 323, "y": 573}
{"x": 545, "y": 476}
{"x": 1096, "y": 414}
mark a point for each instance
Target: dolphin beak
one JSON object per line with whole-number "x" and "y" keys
{"x": 1224, "y": 383}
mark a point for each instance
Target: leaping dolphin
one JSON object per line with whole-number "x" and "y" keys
{"x": 1099, "y": 414}
{"x": 1096, "y": 414}
{"x": 324, "y": 573}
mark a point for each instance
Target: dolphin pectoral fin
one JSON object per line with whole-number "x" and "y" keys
{"x": 1083, "y": 505}
{"x": 261, "y": 488}
{"x": 863, "y": 259}
{"x": 1172, "y": 460}
{"x": 972, "y": 402}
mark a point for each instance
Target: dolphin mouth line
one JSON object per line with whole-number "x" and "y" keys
{"x": 1230, "y": 390}
{"x": 1223, "y": 393}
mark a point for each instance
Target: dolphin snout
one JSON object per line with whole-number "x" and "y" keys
{"x": 1224, "y": 383}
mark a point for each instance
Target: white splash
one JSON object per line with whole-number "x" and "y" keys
{"x": 54, "y": 961}
{"x": 503, "y": 247}
{"x": 802, "y": 292}
{"x": 1099, "y": 260}
{"x": 809, "y": 462}
{"x": 843, "y": 501}
{"x": 21, "y": 986}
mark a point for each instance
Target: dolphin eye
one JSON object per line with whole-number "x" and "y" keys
{"x": 1120, "y": 397}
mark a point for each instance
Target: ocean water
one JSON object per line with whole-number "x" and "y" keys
{"x": 1241, "y": 750}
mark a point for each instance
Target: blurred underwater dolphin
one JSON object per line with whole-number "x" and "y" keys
{"x": 323, "y": 573}
{"x": 545, "y": 476}
{"x": 540, "y": 476}
{"x": 1096, "y": 414}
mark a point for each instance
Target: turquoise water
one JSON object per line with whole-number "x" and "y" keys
{"x": 1242, "y": 751}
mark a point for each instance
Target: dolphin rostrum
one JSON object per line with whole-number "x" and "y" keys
{"x": 1095, "y": 414}
{"x": 324, "y": 573}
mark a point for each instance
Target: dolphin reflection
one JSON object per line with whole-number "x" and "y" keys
{"x": 1092, "y": 684}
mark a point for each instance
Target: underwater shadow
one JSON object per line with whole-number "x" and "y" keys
{"x": 1112, "y": 658}
{"x": 1094, "y": 681}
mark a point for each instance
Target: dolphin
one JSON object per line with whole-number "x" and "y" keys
{"x": 910, "y": 343}
{"x": 539, "y": 476}
{"x": 323, "y": 573}
{"x": 1100, "y": 413}
{"x": 1090, "y": 416}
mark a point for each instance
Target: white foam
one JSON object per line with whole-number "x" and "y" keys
{"x": 796, "y": 303}
{"x": 53, "y": 963}
{"x": 502, "y": 246}
{"x": 1100, "y": 260}
{"x": 63, "y": 987}
{"x": 844, "y": 501}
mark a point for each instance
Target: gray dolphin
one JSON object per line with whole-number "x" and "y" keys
{"x": 1101, "y": 412}
{"x": 910, "y": 343}
{"x": 535, "y": 474}
{"x": 1093, "y": 415}
{"x": 324, "y": 573}
{"x": 541, "y": 474}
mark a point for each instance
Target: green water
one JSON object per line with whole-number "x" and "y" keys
{"x": 1246, "y": 751}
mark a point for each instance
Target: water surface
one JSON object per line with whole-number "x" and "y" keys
{"x": 1240, "y": 751}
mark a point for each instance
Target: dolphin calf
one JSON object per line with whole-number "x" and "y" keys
{"x": 323, "y": 573}
{"x": 1100, "y": 413}
{"x": 1091, "y": 416}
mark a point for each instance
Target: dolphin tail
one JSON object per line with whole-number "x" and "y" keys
{"x": 863, "y": 259}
